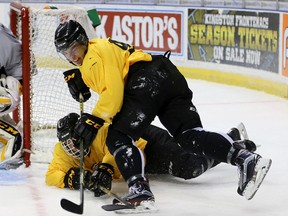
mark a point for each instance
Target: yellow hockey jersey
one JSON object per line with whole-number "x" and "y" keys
{"x": 104, "y": 70}
{"x": 62, "y": 162}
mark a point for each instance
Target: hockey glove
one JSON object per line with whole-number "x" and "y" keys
{"x": 66, "y": 125}
{"x": 86, "y": 129}
{"x": 101, "y": 177}
{"x": 72, "y": 178}
{"x": 76, "y": 84}
{"x": 2, "y": 70}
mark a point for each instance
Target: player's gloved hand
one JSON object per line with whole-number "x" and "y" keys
{"x": 72, "y": 178}
{"x": 10, "y": 93}
{"x": 101, "y": 177}
{"x": 86, "y": 129}
{"x": 66, "y": 125}
{"x": 76, "y": 84}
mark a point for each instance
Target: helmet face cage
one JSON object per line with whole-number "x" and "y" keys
{"x": 67, "y": 33}
{"x": 71, "y": 150}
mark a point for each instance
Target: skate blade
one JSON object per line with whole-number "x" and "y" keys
{"x": 144, "y": 207}
{"x": 242, "y": 131}
{"x": 261, "y": 169}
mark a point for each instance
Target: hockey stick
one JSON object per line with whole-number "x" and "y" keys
{"x": 67, "y": 204}
{"x": 109, "y": 192}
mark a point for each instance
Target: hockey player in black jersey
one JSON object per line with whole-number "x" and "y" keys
{"x": 162, "y": 156}
{"x": 134, "y": 87}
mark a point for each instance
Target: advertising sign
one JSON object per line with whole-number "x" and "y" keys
{"x": 154, "y": 31}
{"x": 285, "y": 46}
{"x": 241, "y": 38}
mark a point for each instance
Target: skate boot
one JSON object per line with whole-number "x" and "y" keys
{"x": 139, "y": 200}
{"x": 245, "y": 144}
{"x": 139, "y": 192}
{"x": 252, "y": 171}
{"x": 241, "y": 142}
{"x": 234, "y": 134}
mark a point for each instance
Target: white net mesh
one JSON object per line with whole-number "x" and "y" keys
{"x": 49, "y": 94}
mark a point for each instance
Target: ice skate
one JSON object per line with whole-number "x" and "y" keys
{"x": 234, "y": 134}
{"x": 240, "y": 136}
{"x": 252, "y": 170}
{"x": 138, "y": 192}
{"x": 245, "y": 144}
{"x": 140, "y": 197}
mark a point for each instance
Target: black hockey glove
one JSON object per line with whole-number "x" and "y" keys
{"x": 86, "y": 129}
{"x": 76, "y": 84}
{"x": 72, "y": 178}
{"x": 101, "y": 177}
{"x": 65, "y": 126}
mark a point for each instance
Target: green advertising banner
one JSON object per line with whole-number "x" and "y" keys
{"x": 241, "y": 38}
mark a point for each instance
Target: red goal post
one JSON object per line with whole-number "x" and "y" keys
{"x": 18, "y": 10}
{"x": 46, "y": 97}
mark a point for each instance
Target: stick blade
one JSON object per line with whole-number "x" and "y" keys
{"x": 114, "y": 207}
{"x": 71, "y": 206}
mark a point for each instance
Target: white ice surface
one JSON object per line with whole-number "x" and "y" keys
{"x": 23, "y": 191}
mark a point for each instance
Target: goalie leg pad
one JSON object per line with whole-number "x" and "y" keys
{"x": 11, "y": 143}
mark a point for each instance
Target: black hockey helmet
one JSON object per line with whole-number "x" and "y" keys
{"x": 65, "y": 128}
{"x": 68, "y": 33}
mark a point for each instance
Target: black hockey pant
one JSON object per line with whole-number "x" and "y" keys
{"x": 165, "y": 156}
{"x": 153, "y": 89}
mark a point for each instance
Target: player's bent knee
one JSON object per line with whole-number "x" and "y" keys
{"x": 190, "y": 166}
{"x": 116, "y": 139}
{"x": 190, "y": 139}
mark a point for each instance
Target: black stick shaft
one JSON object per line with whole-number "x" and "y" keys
{"x": 67, "y": 204}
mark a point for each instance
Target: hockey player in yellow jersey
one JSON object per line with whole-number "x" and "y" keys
{"x": 65, "y": 163}
{"x": 134, "y": 87}
{"x": 162, "y": 156}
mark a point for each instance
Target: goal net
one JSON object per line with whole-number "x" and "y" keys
{"x": 46, "y": 97}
